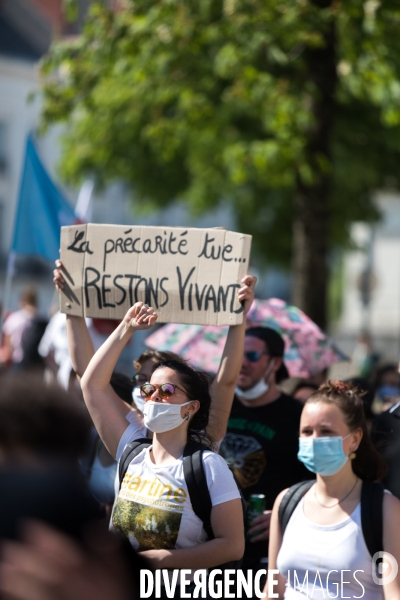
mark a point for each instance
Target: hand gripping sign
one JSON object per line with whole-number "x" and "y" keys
{"x": 188, "y": 275}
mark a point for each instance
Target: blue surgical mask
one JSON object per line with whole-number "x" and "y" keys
{"x": 388, "y": 391}
{"x": 323, "y": 455}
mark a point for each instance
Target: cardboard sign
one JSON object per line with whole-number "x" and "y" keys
{"x": 187, "y": 275}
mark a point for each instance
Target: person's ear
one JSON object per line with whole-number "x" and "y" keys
{"x": 192, "y": 408}
{"x": 277, "y": 362}
{"x": 357, "y": 436}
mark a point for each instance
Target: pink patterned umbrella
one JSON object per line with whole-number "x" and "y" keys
{"x": 308, "y": 350}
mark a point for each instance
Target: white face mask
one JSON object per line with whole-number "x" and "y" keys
{"x": 137, "y": 398}
{"x": 160, "y": 416}
{"x": 258, "y": 389}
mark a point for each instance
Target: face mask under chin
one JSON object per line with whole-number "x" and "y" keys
{"x": 257, "y": 390}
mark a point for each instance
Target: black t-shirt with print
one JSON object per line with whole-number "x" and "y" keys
{"x": 385, "y": 435}
{"x": 261, "y": 448}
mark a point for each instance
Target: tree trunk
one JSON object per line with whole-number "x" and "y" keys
{"x": 311, "y": 225}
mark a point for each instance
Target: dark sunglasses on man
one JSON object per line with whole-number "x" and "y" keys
{"x": 254, "y": 356}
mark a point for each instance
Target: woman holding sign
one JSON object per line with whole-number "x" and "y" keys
{"x": 222, "y": 390}
{"x": 144, "y": 499}
{"x": 153, "y": 508}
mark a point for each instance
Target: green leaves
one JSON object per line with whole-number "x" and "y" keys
{"x": 211, "y": 101}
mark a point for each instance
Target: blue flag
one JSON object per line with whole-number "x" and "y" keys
{"x": 41, "y": 211}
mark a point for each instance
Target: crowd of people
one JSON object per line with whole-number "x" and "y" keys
{"x": 114, "y": 474}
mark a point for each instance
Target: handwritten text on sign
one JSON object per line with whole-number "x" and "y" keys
{"x": 188, "y": 275}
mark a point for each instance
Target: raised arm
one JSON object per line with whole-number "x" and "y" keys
{"x": 223, "y": 387}
{"x": 99, "y": 396}
{"x": 80, "y": 345}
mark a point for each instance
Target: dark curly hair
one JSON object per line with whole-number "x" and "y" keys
{"x": 197, "y": 387}
{"x": 368, "y": 463}
{"x": 157, "y": 356}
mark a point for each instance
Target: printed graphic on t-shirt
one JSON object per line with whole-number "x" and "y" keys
{"x": 149, "y": 512}
{"x": 245, "y": 457}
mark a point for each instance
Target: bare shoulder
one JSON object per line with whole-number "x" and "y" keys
{"x": 391, "y": 506}
{"x": 279, "y": 498}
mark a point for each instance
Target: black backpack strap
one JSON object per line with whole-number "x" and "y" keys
{"x": 290, "y": 500}
{"x": 196, "y": 481}
{"x": 129, "y": 453}
{"x": 372, "y": 515}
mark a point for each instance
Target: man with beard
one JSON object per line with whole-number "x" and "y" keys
{"x": 261, "y": 443}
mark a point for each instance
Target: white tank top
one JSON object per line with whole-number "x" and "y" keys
{"x": 326, "y": 561}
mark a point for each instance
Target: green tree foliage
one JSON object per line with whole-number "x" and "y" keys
{"x": 249, "y": 102}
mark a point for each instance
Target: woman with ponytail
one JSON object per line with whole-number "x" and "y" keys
{"x": 319, "y": 542}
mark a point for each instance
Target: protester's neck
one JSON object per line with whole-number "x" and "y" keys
{"x": 169, "y": 446}
{"x": 336, "y": 485}
{"x": 270, "y": 395}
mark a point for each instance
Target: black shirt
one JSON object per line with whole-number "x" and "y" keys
{"x": 261, "y": 448}
{"x": 385, "y": 435}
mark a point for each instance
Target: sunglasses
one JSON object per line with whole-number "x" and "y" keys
{"x": 166, "y": 390}
{"x": 139, "y": 379}
{"x": 254, "y": 356}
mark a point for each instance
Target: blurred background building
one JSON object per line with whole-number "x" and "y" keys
{"x": 371, "y": 282}
{"x": 27, "y": 28}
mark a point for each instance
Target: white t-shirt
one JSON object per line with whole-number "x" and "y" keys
{"x": 153, "y": 508}
{"x": 317, "y": 561}
{"x": 55, "y": 339}
{"x": 135, "y": 418}
{"x": 135, "y": 430}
